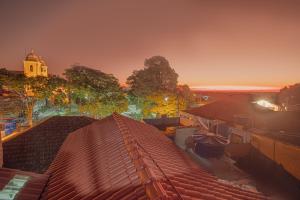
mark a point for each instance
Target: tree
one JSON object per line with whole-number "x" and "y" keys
{"x": 94, "y": 92}
{"x": 289, "y": 97}
{"x": 29, "y": 89}
{"x": 19, "y": 85}
{"x": 157, "y": 75}
{"x": 3, "y": 76}
{"x": 56, "y": 93}
{"x": 9, "y": 106}
{"x": 168, "y": 103}
{"x": 160, "y": 103}
{"x": 186, "y": 96}
{"x": 154, "y": 88}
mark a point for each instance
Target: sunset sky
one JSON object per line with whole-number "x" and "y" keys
{"x": 207, "y": 42}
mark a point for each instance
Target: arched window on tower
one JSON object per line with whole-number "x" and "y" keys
{"x": 31, "y": 68}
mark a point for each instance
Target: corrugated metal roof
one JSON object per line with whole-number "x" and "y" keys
{"x": 120, "y": 158}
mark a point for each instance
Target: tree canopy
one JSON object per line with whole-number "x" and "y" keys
{"x": 95, "y": 92}
{"x": 3, "y": 76}
{"x": 155, "y": 91}
{"x": 157, "y": 75}
{"x": 289, "y": 96}
{"x": 30, "y": 89}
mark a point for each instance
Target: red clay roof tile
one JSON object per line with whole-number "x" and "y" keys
{"x": 223, "y": 110}
{"x": 120, "y": 158}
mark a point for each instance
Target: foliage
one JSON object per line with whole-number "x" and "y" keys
{"x": 167, "y": 103}
{"x": 96, "y": 93}
{"x": 186, "y": 96}
{"x": 3, "y": 76}
{"x": 56, "y": 93}
{"x": 289, "y": 96}
{"x": 9, "y": 106}
{"x": 154, "y": 89}
{"x": 31, "y": 89}
{"x": 157, "y": 75}
{"x": 160, "y": 103}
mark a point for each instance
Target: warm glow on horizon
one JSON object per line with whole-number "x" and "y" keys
{"x": 236, "y": 88}
{"x": 206, "y": 42}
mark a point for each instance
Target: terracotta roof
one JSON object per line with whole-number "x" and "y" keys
{"x": 35, "y": 149}
{"x": 225, "y": 110}
{"x": 120, "y": 158}
{"x": 31, "y": 190}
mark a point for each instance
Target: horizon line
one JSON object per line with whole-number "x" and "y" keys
{"x": 236, "y": 88}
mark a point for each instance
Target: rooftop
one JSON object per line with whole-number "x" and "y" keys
{"x": 20, "y": 185}
{"x": 33, "y": 57}
{"x": 35, "y": 149}
{"x": 120, "y": 158}
{"x": 225, "y": 110}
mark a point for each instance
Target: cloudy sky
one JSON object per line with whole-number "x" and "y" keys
{"x": 207, "y": 42}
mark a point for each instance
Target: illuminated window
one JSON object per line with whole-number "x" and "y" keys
{"x": 31, "y": 68}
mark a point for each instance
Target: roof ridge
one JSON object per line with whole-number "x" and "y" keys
{"x": 153, "y": 188}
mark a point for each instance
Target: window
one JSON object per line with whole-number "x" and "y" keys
{"x": 31, "y": 68}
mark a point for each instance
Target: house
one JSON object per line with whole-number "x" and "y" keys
{"x": 273, "y": 135}
{"x": 225, "y": 117}
{"x": 120, "y": 158}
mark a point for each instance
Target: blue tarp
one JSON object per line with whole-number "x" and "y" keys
{"x": 9, "y": 125}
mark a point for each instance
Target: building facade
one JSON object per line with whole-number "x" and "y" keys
{"x": 34, "y": 66}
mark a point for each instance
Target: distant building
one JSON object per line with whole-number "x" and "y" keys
{"x": 34, "y": 66}
{"x": 206, "y": 97}
{"x": 225, "y": 117}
